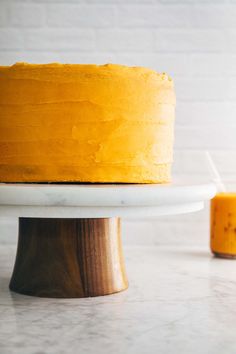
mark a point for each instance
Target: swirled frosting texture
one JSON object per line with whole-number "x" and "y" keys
{"x": 85, "y": 123}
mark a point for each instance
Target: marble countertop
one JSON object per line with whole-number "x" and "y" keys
{"x": 180, "y": 300}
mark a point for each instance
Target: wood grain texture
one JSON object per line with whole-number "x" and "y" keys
{"x": 67, "y": 258}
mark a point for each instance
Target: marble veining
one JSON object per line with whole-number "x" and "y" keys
{"x": 180, "y": 300}
{"x": 105, "y": 195}
{"x": 96, "y": 201}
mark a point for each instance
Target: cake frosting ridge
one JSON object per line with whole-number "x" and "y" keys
{"x": 85, "y": 123}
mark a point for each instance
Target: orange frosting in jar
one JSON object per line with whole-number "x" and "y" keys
{"x": 85, "y": 123}
{"x": 223, "y": 224}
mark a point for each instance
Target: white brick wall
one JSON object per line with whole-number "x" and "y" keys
{"x": 194, "y": 41}
{"x": 26, "y": 15}
{"x": 82, "y": 16}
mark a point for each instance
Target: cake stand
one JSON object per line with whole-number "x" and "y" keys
{"x": 69, "y": 234}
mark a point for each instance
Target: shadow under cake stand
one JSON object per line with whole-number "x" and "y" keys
{"x": 69, "y": 234}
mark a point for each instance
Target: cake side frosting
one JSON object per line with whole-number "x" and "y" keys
{"x": 86, "y": 123}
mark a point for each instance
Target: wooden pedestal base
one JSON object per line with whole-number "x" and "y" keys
{"x": 65, "y": 258}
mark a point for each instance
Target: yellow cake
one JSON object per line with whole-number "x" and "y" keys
{"x": 85, "y": 123}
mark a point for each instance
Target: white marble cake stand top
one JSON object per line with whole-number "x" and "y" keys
{"x": 102, "y": 200}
